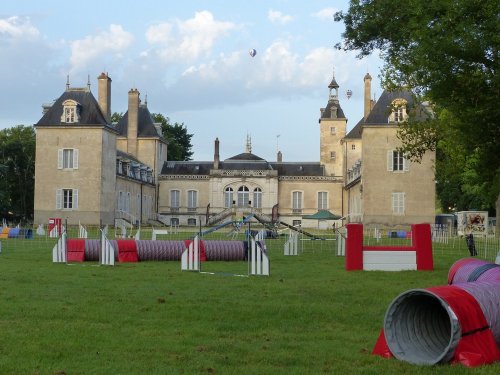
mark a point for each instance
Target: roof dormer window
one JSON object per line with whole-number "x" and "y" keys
{"x": 399, "y": 113}
{"x": 71, "y": 112}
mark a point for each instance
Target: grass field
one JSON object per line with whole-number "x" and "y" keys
{"x": 309, "y": 316}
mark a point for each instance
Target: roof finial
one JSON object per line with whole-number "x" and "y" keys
{"x": 248, "y": 148}
{"x": 88, "y": 82}
{"x": 67, "y": 82}
{"x": 146, "y": 100}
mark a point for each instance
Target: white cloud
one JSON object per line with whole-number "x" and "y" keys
{"x": 279, "y": 62}
{"x": 278, "y": 17}
{"x": 188, "y": 39}
{"x": 102, "y": 46}
{"x": 325, "y": 14}
{"x": 18, "y": 28}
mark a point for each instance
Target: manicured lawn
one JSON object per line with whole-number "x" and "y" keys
{"x": 309, "y": 316}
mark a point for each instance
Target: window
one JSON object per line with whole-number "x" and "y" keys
{"x": 398, "y": 203}
{"x": 192, "y": 221}
{"x": 322, "y": 200}
{"x": 67, "y": 199}
{"x": 71, "y": 111}
{"x": 175, "y": 200}
{"x": 192, "y": 200}
{"x": 297, "y": 202}
{"x": 398, "y": 113}
{"x": 353, "y": 147}
{"x": 138, "y": 206}
{"x": 243, "y": 196}
{"x": 174, "y": 221}
{"x": 333, "y": 130}
{"x": 67, "y": 158}
{"x": 296, "y": 223}
{"x": 333, "y": 155}
{"x": 396, "y": 162}
{"x": 257, "y": 198}
{"x": 127, "y": 203}
{"x": 228, "y": 197}
{"x": 120, "y": 201}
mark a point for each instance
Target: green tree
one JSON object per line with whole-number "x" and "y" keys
{"x": 115, "y": 117}
{"x": 447, "y": 52}
{"x": 179, "y": 140}
{"x": 17, "y": 172}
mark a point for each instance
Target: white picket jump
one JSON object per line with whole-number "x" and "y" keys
{"x": 156, "y": 232}
{"x": 107, "y": 257}
{"x": 341, "y": 236}
{"x": 259, "y": 262}
{"x": 190, "y": 259}
{"x": 59, "y": 250}
{"x": 291, "y": 245}
{"x": 82, "y": 233}
{"x": 54, "y": 232}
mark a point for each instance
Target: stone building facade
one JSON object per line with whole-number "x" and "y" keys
{"x": 91, "y": 171}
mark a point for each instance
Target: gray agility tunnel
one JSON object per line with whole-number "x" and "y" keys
{"x": 457, "y": 323}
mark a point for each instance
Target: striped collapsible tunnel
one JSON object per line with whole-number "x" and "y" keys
{"x": 225, "y": 250}
{"x": 160, "y": 249}
{"x": 470, "y": 269}
{"x": 93, "y": 249}
{"x": 457, "y": 323}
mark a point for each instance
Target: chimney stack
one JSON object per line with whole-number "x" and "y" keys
{"x": 368, "y": 95}
{"x": 133, "y": 121}
{"x": 104, "y": 95}
{"x": 216, "y": 154}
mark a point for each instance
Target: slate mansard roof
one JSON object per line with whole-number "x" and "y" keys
{"x": 382, "y": 109}
{"x": 243, "y": 162}
{"x": 380, "y": 112}
{"x": 326, "y": 113}
{"x": 89, "y": 110}
{"x": 146, "y": 127}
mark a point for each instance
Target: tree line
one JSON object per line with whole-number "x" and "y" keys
{"x": 447, "y": 54}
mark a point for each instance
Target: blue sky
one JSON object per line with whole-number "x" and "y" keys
{"x": 191, "y": 60}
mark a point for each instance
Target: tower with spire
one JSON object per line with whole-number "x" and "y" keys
{"x": 332, "y": 124}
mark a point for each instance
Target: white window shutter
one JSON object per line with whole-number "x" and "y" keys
{"x": 406, "y": 164}
{"x": 390, "y": 166}
{"x": 75, "y": 158}
{"x": 59, "y": 199}
{"x": 75, "y": 199}
{"x": 60, "y": 158}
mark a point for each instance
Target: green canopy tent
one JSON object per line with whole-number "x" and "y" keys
{"x": 322, "y": 215}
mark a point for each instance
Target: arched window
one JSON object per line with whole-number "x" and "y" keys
{"x": 257, "y": 198}
{"x": 243, "y": 196}
{"x": 228, "y": 197}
